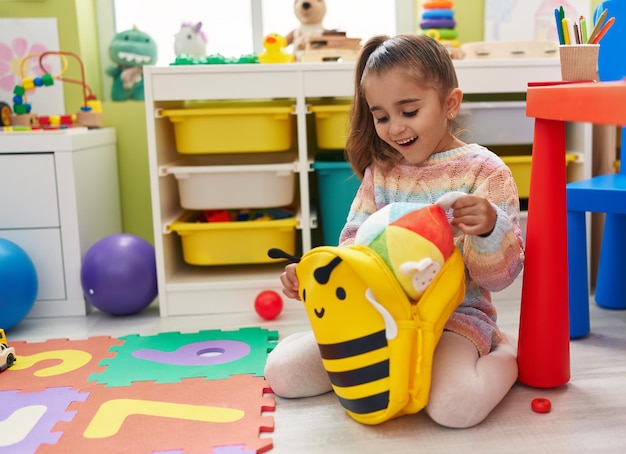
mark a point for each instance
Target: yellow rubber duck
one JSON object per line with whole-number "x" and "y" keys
{"x": 274, "y": 45}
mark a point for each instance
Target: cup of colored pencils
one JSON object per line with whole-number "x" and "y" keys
{"x": 579, "y": 47}
{"x": 579, "y": 61}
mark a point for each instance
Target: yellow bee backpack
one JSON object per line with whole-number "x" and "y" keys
{"x": 378, "y": 307}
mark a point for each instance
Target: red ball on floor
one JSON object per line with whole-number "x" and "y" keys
{"x": 268, "y": 304}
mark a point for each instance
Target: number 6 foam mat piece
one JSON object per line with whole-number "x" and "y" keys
{"x": 178, "y": 393}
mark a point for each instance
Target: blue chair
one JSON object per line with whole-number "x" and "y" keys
{"x": 600, "y": 194}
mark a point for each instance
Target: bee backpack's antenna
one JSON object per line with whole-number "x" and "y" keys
{"x": 276, "y": 253}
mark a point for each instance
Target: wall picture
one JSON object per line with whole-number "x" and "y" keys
{"x": 525, "y": 20}
{"x": 21, "y": 43}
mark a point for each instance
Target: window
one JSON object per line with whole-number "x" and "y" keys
{"x": 237, "y": 27}
{"x": 225, "y": 24}
{"x": 358, "y": 18}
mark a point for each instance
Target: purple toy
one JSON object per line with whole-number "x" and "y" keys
{"x": 118, "y": 275}
{"x": 437, "y": 23}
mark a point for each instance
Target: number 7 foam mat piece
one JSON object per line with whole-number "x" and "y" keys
{"x": 187, "y": 417}
{"x": 169, "y": 393}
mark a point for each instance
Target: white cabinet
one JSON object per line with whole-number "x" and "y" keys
{"x": 28, "y": 181}
{"x": 187, "y": 289}
{"x": 59, "y": 194}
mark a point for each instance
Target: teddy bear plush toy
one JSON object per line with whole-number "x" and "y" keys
{"x": 310, "y": 14}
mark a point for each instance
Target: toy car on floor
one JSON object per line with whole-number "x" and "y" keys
{"x": 7, "y": 354}
{"x": 7, "y": 357}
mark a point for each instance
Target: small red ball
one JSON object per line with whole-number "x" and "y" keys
{"x": 268, "y": 304}
{"x": 541, "y": 405}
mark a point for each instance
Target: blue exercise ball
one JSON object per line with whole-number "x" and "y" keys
{"x": 18, "y": 284}
{"x": 118, "y": 274}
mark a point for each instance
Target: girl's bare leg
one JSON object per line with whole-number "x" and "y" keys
{"x": 294, "y": 368}
{"x": 465, "y": 387}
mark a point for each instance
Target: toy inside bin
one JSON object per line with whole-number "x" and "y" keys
{"x": 243, "y": 129}
{"x": 237, "y": 242}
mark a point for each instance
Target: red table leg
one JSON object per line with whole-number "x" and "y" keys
{"x": 543, "y": 349}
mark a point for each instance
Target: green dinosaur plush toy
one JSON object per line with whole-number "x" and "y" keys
{"x": 130, "y": 50}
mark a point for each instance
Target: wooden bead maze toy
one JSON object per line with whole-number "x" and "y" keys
{"x": 90, "y": 114}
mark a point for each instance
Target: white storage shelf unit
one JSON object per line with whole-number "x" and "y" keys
{"x": 187, "y": 289}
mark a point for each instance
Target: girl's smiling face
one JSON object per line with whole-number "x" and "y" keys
{"x": 410, "y": 117}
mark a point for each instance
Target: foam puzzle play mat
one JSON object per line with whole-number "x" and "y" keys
{"x": 174, "y": 393}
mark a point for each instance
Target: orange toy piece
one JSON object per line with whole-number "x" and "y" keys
{"x": 438, "y": 4}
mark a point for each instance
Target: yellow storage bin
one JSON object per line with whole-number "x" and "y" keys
{"x": 233, "y": 243}
{"x": 232, "y": 129}
{"x": 331, "y": 124}
{"x": 520, "y": 167}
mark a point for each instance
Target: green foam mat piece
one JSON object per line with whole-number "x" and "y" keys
{"x": 170, "y": 357}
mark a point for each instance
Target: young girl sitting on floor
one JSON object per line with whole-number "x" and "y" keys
{"x": 403, "y": 148}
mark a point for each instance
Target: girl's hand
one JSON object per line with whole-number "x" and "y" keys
{"x": 474, "y": 215}
{"x": 290, "y": 282}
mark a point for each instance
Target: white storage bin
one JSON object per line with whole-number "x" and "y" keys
{"x": 496, "y": 123}
{"x": 230, "y": 187}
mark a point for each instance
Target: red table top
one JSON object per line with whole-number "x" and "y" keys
{"x": 589, "y": 102}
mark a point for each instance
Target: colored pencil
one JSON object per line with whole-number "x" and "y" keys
{"x": 603, "y": 30}
{"x": 598, "y": 26}
{"x": 559, "y": 25}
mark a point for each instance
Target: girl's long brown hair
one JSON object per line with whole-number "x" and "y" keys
{"x": 423, "y": 58}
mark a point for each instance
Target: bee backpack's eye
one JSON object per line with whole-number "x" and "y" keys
{"x": 341, "y": 293}
{"x": 304, "y": 295}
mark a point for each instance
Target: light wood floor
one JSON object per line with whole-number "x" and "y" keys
{"x": 588, "y": 414}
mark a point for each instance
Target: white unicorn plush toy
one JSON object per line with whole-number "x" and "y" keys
{"x": 190, "y": 40}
